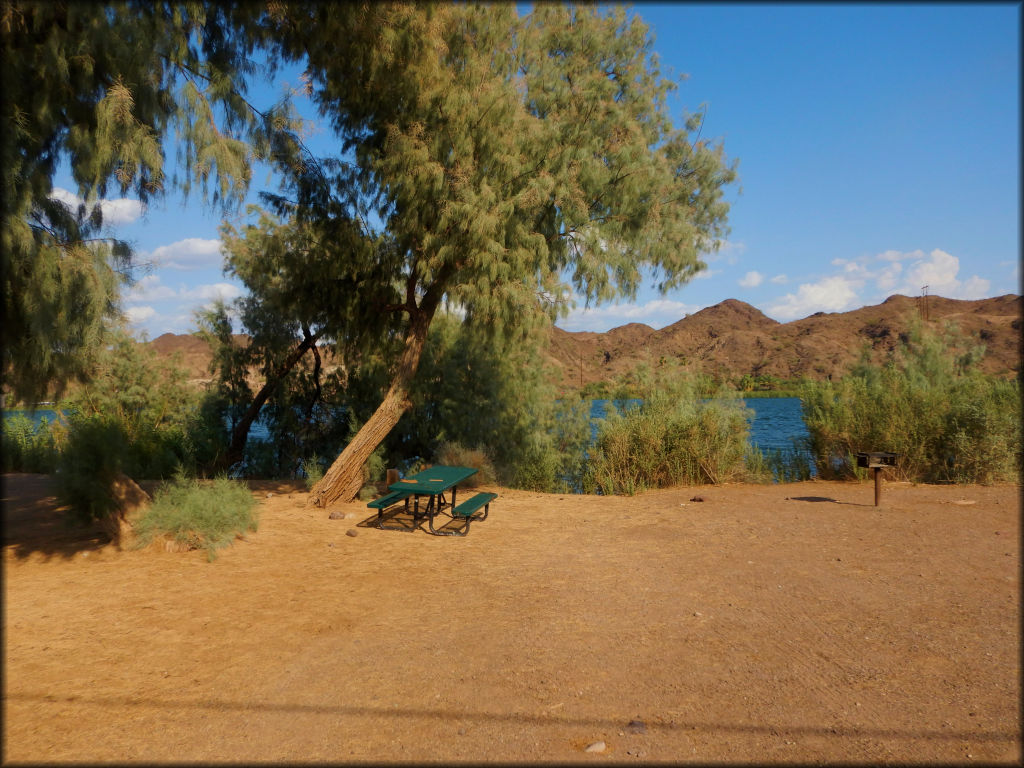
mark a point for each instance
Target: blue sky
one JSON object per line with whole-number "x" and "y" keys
{"x": 878, "y": 148}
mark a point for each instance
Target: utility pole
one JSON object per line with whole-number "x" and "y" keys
{"x": 924, "y": 302}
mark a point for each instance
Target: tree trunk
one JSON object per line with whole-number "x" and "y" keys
{"x": 240, "y": 435}
{"x": 344, "y": 478}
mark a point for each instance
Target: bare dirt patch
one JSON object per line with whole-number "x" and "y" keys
{"x": 766, "y": 623}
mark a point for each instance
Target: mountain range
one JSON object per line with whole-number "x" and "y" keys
{"x": 732, "y": 339}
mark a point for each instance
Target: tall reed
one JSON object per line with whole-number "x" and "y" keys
{"x": 671, "y": 436}
{"x": 929, "y": 404}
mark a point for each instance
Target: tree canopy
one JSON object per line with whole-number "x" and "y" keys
{"x": 98, "y": 88}
{"x": 512, "y": 161}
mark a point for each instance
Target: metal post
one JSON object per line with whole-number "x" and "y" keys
{"x": 878, "y": 485}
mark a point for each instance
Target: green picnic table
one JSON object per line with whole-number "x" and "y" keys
{"x": 434, "y": 482}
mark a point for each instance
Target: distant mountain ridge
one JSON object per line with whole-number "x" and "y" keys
{"x": 733, "y": 338}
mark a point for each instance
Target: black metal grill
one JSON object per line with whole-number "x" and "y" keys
{"x": 876, "y": 461}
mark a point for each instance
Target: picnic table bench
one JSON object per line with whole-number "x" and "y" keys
{"x": 467, "y": 511}
{"x": 434, "y": 482}
{"x": 386, "y": 501}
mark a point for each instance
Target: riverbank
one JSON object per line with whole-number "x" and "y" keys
{"x": 792, "y": 622}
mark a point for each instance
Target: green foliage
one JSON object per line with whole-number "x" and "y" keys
{"x": 28, "y": 447}
{"x": 756, "y": 466}
{"x": 300, "y": 405}
{"x": 207, "y": 515}
{"x": 670, "y": 437}
{"x": 136, "y": 416}
{"x": 313, "y": 469}
{"x": 98, "y": 87}
{"x": 489, "y": 394}
{"x": 511, "y": 161}
{"x": 779, "y": 465}
{"x": 97, "y": 451}
{"x": 946, "y": 420}
{"x": 455, "y": 455}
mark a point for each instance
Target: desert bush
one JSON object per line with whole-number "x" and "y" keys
{"x": 198, "y": 515}
{"x": 456, "y": 455}
{"x": 947, "y": 421}
{"x": 313, "y": 470}
{"x": 97, "y": 451}
{"x": 670, "y": 437}
{"x": 135, "y": 416}
{"x": 29, "y": 447}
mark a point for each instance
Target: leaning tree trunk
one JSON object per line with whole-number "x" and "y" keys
{"x": 345, "y": 478}
{"x": 240, "y": 435}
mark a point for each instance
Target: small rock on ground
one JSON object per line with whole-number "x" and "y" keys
{"x": 638, "y": 726}
{"x": 337, "y": 515}
{"x": 597, "y": 746}
{"x": 697, "y": 498}
{"x": 352, "y": 532}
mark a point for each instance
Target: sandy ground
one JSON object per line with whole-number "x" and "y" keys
{"x": 778, "y": 623}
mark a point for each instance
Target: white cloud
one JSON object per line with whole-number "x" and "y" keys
{"x": 975, "y": 288}
{"x": 210, "y": 293}
{"x": 939, "y": 271}
{"x": 830, "y": 294}
{"x": 751, "y": 280}
{"x": 908, "y": 272}
{"x": 656, "y": 313}
{"x": 887, "y": 278}
{"x": 115, "y": 212}
{"x": 138, "y": 315}
{"x": 893, "y": 256}
{"x": 704, "y": 274}
{"x": 121, "y": 211}
{"x": 727, "y": 251}
{"x": 190, "y": 253}
{"x": 779, "y": 280}
{"x": 149, "y": 288}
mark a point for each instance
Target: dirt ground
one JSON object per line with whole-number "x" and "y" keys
{"x": 776, "y": 623}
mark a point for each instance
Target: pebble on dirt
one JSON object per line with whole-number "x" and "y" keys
{"x": 352, "y": 532}
{"x": 697, "y": 498}
{"x": 638, "y": 726}
{"x": 597, "y": 746}
{"x": 337, "y": 515}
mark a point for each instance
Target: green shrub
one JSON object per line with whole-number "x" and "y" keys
{"x": 313, "y": 469}
{"x": 946, "y": 421}
{"x": 208, "y": 515}
{"x": 756, "y": 468}
{"x": 456, "y": 455}
{"x": 28, "y": 447}
{"x": 96, "y": 452}
{"x": 671, "y": 437}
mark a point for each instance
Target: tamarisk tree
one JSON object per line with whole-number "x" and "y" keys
{"x": 511, "y": 161}
{"x": 100, "y": 86}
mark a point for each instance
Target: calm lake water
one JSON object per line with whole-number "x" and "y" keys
{"x": 777, "y": 421}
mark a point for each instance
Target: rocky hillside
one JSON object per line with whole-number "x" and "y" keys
{"x": 733, "y": 338}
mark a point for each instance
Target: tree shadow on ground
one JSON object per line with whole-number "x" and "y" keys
{"x": 827, "y": 500}
{"x": 220, "y": 705}
{"x": 34, "y": 521}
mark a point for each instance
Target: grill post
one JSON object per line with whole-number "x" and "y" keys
{"x": 876, "y": 460}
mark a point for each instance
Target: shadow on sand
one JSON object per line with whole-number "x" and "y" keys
{"x": 34, "y": 521}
